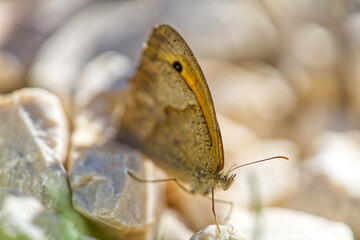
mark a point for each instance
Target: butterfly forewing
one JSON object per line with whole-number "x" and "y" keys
{"x": 170, "y": 115}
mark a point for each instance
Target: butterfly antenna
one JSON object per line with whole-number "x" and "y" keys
{"x": 258, "y": 161}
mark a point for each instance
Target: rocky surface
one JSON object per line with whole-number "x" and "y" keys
{"x": 34, "y": 140}
{"x": 33, "y": 146}
{"x": 229, "y": 230}
{"x": 119, "y": 206}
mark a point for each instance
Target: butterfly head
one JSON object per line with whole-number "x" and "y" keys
{"x": 225, "y": 181}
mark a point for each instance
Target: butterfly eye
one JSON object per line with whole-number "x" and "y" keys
{"x": 177, "y": 66}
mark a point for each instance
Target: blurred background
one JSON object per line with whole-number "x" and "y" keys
{"x": 284, "y": 76}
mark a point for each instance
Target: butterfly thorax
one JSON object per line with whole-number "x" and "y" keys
{"x": 202, "y": 183}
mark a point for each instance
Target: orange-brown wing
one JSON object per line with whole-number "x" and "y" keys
{"x": 170, "y": 114}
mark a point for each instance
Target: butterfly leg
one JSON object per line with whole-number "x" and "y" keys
{"x": 227, "y": 202}
{"x": 160, "y": 180}
{"x": 213, "y": 209}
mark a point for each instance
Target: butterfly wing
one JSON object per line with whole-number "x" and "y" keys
{"x": 170, "y": 113}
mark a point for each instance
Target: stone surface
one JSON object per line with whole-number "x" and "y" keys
{"x": 33, "y": 137}
{"x": 284, "y": 224}
{"x": 33, "y": 147}
{"x": 24, "y": 217}
{"x": 228, "y": 231}
{"x": 118, "y": 206}
{"x": 331, "y": 179}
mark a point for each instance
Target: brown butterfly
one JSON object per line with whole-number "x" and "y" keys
{"x": 170, "y": 116}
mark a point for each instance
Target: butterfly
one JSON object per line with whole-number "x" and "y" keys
{"x": 170, "y": 116}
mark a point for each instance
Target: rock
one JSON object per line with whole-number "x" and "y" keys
{"x": 281, "y": 224}
{"x": 119, "y": 206}
{"x": 33, "y": 147}
{"x": 33, "y": 137}
{"x": 22, "y": 216}
{"x": 171, "y": 227}
{"x": 331, "y": 179}
{"x": 228, "y": 231}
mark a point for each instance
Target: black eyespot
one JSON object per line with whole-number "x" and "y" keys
{"x": 177, "y": 66}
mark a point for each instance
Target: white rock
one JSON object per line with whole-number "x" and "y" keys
{"x": 18, "y": 216}
{"x": 33, "y": 147}
{"x": 228, "y": 231}
{"x": 33, "y": 132}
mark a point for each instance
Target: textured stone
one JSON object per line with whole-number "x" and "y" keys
{"x": 33, "y": 137}
{"x": 33, "y": 147}
{"x": 228, "y": 231}
{"x": 24, "y": 217}
{"x": 119, "y": 206}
